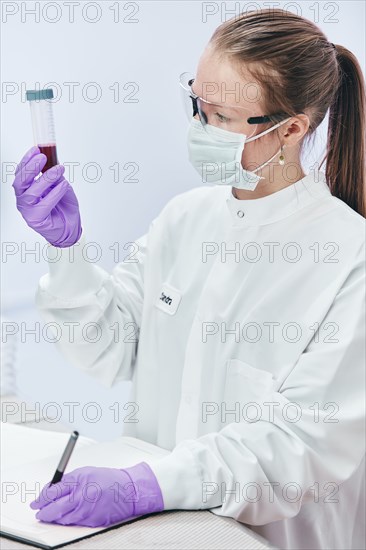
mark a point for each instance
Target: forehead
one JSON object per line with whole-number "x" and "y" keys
{"x": 220, "y": 80}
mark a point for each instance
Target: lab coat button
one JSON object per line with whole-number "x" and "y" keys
{"x": 188, "y": 399}
{"x": 240, "y": 213}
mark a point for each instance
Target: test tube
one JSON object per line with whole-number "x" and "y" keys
{"x": 43, "y": 124}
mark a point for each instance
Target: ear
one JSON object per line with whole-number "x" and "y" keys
{"x": 295, "y": 129}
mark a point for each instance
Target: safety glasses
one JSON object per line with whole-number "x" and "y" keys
{"x": 231, "y": 118}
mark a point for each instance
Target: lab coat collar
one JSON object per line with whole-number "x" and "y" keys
{"x": 280, "y": 204}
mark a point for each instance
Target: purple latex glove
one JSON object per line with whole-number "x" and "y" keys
{"x": 95, "y": 497}
{"x": 49, "y": 204}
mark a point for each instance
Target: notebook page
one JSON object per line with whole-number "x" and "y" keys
{"x": 20, "y": 444}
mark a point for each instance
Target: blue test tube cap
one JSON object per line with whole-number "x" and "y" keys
{"x": 37, "y": 95}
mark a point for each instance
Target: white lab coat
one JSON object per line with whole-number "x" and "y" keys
{"x": 278, "y": 323}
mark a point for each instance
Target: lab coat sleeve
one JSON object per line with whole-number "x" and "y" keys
{"x": 96, "y": 315}
{"x": 234, "y": 469}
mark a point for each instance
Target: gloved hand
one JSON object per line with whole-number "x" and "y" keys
{"x": 95, "y": 497}
{"x": 49, "y": 204}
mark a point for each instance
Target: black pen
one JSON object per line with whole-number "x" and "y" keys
{"x": 65, "y": 458}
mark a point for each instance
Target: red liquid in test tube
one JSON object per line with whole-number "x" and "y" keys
{"x": 51, "y": 153}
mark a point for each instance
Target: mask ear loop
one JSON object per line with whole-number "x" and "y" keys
{"x": 253, "y": 138}
{"x": 262, "y": 134}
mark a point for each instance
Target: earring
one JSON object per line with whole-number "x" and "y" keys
{"x": 281, "y": 160}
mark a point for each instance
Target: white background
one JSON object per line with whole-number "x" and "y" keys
{"x": 146, "y": 43}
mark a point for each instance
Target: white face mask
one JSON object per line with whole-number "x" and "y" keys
{"x": 216, "y": 155}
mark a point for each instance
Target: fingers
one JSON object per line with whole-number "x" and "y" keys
{"x": 79, "y": 518}
{"x": 54, "y": 511}
{"x": 29, "y": 154}
{"x": 48, "y": 179}
{"x": 51, "y": 493}
{"x": 28, "y": 172}
{"x": 48, "y": 202}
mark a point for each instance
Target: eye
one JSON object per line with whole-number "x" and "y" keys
{"x": 222, "y": 118}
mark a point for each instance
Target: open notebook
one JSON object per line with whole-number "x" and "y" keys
{"x": 29, "y": 458}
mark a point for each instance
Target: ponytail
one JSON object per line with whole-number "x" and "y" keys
{"x": 346, "y": 163}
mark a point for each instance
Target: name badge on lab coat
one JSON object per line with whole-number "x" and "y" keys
{"x": 168, "y": 299}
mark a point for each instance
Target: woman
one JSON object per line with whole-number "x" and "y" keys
{"x": 247, "y": 295}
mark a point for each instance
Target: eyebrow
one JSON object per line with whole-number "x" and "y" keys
{"x": 237, "y": 109}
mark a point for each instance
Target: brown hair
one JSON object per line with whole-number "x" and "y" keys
{"x": 298, "y": 69}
